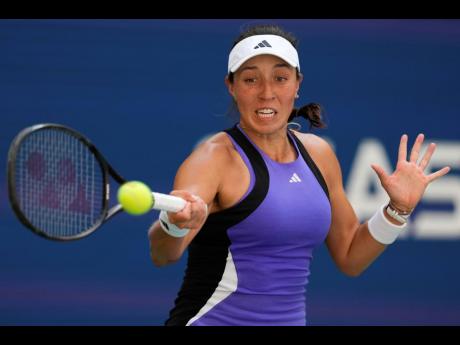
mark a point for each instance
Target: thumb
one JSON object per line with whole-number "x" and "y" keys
{"x": 379, "y": 171}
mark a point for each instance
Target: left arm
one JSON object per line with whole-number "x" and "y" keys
{"x": 350, "y": 243}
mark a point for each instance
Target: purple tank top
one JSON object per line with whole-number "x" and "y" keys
{"x": 264, "y": 257}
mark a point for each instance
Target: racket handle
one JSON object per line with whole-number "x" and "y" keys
{"x": 167, "y": 202}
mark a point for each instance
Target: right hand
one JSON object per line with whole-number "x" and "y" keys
{"x": 194, "y": 213}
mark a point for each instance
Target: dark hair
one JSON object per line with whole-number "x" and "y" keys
{"x": 312, "y": 111}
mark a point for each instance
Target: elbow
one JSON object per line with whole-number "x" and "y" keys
{"x": 352, "y": 271}
{"x": 162, "y": 260}
{"x": 159, "y": 263}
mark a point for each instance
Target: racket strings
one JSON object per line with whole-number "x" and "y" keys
{"x": 59, "y": 183}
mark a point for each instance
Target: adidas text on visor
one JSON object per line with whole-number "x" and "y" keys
{"x": 262, "y": 44}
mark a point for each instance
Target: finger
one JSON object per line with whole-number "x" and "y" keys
{"x": 416, "y": 148}
{"x": 380, "y": 172}
{"x": 186, "y": 195}
{"x": 193, "y": 217}
{"x": 438, "y": 174}
{"x": 181, "y": 216}
{"x": 402, "y": 154}
{"x": 427, "y": 156}
{"x": 198, "y": 213}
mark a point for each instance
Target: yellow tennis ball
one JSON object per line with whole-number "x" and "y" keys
{"x": 135, "y": 197}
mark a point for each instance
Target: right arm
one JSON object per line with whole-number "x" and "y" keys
{"x": 198, "y": 181}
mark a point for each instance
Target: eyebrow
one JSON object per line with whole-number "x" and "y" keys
{"x": 278, "y": 65}
{"x": 284, "y": 64}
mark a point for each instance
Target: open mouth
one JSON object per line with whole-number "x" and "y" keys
{"x": 266, "y": 113}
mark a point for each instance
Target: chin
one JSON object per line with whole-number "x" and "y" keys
{"x": 269, "y": 127}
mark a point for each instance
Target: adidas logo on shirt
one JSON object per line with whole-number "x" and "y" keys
{"x": 295, "y": 178}
{"x": 263, "y": 44}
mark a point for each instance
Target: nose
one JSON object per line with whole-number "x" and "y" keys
{"x": 266, "y": 91}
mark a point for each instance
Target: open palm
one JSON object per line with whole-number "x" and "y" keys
{"x": 406, "y": 185}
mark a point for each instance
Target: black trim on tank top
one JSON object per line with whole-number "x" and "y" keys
{"x": 208, "y": 251}
{"x": 311, "y": 163}
{"x": 233, "y": 215}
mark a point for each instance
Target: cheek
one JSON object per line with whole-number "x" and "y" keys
{"x": 245, "y": 97}
{"x": 288, "y": 99}
{"x": 288, "y": 92}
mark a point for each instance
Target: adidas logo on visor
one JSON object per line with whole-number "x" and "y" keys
{"x": 258, "y": 44}
{"x": 263, "y": 44}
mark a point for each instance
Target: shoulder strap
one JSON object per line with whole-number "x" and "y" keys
{"x": 220, "y": 221}
{"x": 311, "y": 163}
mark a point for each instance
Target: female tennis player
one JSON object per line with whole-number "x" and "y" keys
{"x": 261, "y": 197}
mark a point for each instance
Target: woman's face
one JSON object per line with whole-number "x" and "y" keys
{"x": 264, "y": 89}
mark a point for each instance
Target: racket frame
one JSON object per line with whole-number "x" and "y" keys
{"x": 106, "y": 170}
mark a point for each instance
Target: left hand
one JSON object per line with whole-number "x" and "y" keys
{"x": 406, "y": 185}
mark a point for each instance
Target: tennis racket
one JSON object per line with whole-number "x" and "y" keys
{"x": 59, "y": 183}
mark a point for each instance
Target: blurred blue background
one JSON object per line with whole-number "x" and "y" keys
{"x": 147, "y": 91}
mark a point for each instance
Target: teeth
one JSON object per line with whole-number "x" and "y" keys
{"x": 266, "y": 112}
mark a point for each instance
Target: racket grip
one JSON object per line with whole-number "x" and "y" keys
{"x": 167, "y": 202}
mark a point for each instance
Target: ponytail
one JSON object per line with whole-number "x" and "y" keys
{"x": 311, "y": 112}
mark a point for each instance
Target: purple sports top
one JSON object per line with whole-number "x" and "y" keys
{"x": 250, "y": 263}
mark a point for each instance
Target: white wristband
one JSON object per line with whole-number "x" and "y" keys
{"x": 382, "y": 229}
{"x": 169, "y": 228}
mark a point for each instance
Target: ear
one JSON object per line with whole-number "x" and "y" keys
{"x": 299, "y": 81}
{"x": 229, "y": 87}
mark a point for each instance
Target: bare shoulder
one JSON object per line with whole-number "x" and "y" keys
{"x": 210, "y": 157}
{"x": 214, "y": 171}
{"x": 322, "y": 154}
{"x": 216, "y": 148}
{"x": 315, "y": 145}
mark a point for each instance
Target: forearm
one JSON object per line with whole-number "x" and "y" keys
{"x": 164, "y": 249}
{"x": 362, "y": 252}
{"x": 365, "y": 248}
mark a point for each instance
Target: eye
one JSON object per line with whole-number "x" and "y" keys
{"x": 281, "y": 79}
{"x": 249, "y": 80}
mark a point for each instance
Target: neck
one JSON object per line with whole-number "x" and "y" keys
{"x": 276, "y": 145}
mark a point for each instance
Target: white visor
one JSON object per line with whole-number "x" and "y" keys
{"x": 262, "y": 44}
